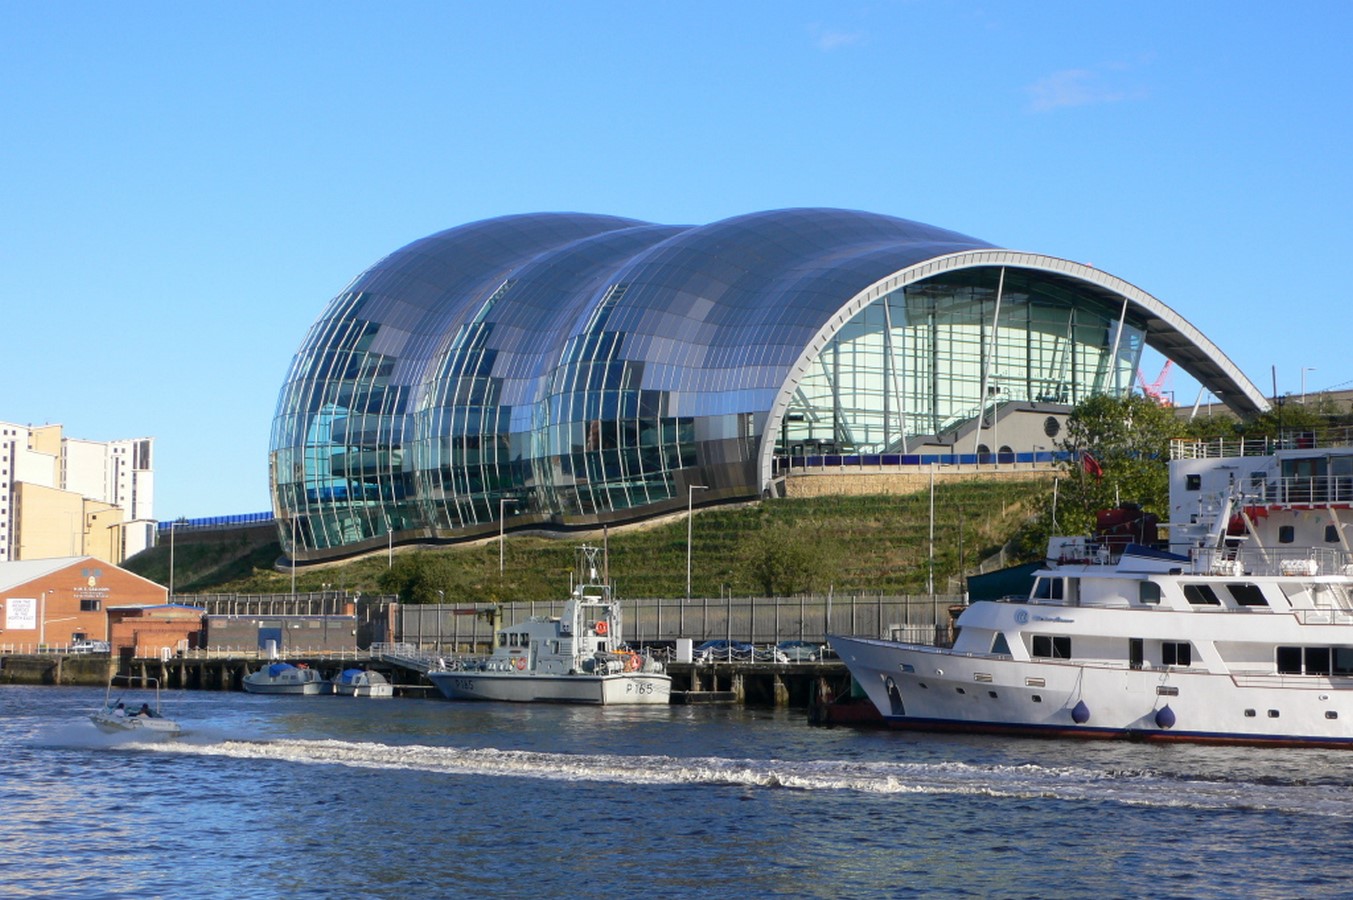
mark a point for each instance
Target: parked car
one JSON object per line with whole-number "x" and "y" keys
{"x": 799, "y": 651}
{"x": 716, "y": 651}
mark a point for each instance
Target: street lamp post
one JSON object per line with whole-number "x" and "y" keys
{"x": 1304, "y": 370}
{"x": 171, "y": 560}
{"x": 690, "y": 509}
{"x": 502, "y": 534}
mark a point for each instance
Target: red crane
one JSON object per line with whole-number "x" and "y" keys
{"x": 1154, "y": 389}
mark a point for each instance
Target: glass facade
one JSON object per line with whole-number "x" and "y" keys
{"x": 571, "y": 370}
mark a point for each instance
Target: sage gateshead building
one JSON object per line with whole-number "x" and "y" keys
{"x": 566, "y": 371}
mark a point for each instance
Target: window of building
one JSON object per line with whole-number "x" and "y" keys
{"x": 1052, "y": 646}
{"x": 1176, "y": 653}
{"x": 90, "y": 605}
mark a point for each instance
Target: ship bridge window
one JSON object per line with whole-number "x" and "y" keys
{"x": 1176, "y": 653}
{"x": 1247, "y": 594}
{"x": 1201, "y": 595}
{"x": 1048, "y": 589}
{"x": 1051, "y": 646}
{"x": 1287, "y": 534}
{"x": 1148, "y": 592}
{"x": 1315, "y": 661}
{"x": 1331, "y": 534}
{"x": 1193, "y": 482}
{"x": 999, "y": 646}
{"x": 1343, "y": 660}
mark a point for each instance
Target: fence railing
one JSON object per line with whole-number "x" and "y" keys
{"x": 754, "y": 620}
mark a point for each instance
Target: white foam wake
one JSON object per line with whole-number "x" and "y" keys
{"x": 1069, "y": 783}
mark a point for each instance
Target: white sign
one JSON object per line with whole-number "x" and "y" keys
{"x": 21, "y": 613}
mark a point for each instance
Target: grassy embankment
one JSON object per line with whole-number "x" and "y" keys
{"x": 853, "y": 544}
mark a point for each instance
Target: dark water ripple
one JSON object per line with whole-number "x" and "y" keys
{"x": 330, "y": 797}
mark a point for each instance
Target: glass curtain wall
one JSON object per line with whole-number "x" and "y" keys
{"x": 915, "y": 363}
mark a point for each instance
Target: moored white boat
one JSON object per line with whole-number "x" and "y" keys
{"x": 115, "y": 716}
{"x": 362, "y": 683}
{"x": 577, "y": 657}
{"x": 1242, "y": 634}
{"x": 284, "y": 678}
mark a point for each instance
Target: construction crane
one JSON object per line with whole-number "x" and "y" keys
{"x": 1154, "y": 389}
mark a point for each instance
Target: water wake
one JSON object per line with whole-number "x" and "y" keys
{"x": 1063, "y": 783}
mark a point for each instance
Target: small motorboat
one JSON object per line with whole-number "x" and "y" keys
{"x": 284, "y": 678}
{"x": 116, "y": 716}
{"x": 362, "y": 683}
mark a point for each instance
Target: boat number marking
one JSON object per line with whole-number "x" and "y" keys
{"x": 643, "y": 687}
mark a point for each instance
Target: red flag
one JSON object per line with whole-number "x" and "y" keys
{"x": 1091, "y": 464}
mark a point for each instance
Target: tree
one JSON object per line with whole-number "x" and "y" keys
{"x": 418, "y": 577}
{"x": 1119, "y": 453}
{"x": 787, "y": 560}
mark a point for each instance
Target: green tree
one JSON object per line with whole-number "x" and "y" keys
{"x": 417, "y": 578}
{"x": 784, "y": 559}
{"x": 1120, "y": 452}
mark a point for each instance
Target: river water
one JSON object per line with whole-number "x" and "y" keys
{"x": 341, "y": 797}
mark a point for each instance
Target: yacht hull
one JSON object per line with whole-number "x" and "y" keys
{"x": 927, "y": 688}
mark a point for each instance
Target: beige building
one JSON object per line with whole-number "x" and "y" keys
{"x": 61, "y": 496}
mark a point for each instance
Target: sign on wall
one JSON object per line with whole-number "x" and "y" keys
{"x": 21, "y": 613}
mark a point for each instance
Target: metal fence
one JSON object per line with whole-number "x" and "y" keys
{"x": 920, "y": 618}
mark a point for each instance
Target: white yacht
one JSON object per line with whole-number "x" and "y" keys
{"x": 1240, "y": 632}
{"x": 577, "y": 657}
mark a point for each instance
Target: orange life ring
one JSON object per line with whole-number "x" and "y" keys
{"x": 633, "y": 662}
{"x": 601, "y": 628}
{"x": 521, "y": 663}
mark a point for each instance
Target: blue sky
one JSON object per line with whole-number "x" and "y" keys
{"x": 185, "y": 185}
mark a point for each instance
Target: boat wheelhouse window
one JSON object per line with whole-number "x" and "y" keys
{"x": 999, "y": 645}
{"x": 1317, "y": 660}
{"x": 1247, "y": 594}
{"x": 1148, "y": 592}
{"x": 1286, "y": 534}
{"x": 502, "y": 639}
{"x": 1051, "y": 646}
{"x": 1176, "y": 653}
{"x": 1343, "y": 661}
{"x": 1193, "y": 482}
{"x": 1331, "y": 534}
{"x": 1201, "y": 595}
{"x": 1047, "y": 589}
{"x": 1289, "y": 660}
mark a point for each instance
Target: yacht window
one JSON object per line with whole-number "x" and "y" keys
{"x": 1247, "y": 594}
{"x": 1343, "y": 660}
{"x": 1201, "y": 595}
{"x": 1048, "y": 589}
{"x": 1317, "y": 660}
{"x": 1052, "y": 647}
{"x": 1331, "y": 534}
{"x": 1193, "y": 482}
{"x": 1148, "y": 592}
{"x": 999, "y": 645}
{"x": 1176, "y": 653}
{"x": 1286, "y": 534}
{"x": 1289, "y": 660}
